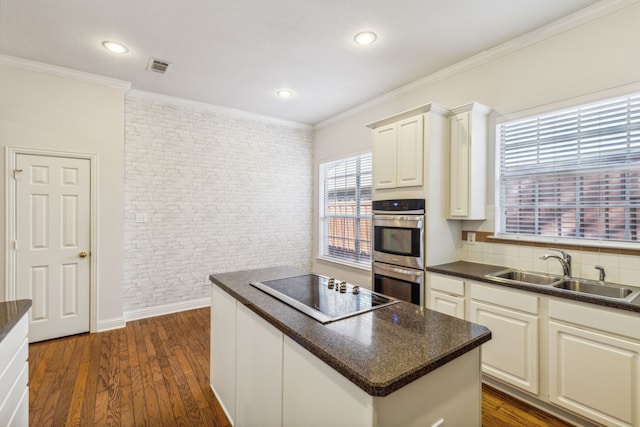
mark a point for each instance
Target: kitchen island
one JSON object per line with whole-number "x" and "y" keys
{"x": 397, "y": 365}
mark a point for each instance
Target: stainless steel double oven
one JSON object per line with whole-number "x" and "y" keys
{"x": 398, "y": 249}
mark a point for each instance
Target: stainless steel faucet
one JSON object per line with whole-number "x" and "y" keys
{"x": 602, "y": 274}
{"x": 565, "y": 261}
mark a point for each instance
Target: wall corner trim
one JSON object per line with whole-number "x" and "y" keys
{"x": 110, "y": 324}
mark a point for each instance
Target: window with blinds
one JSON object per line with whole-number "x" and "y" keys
{"x": 345, "y": 211}
{"x": 573, "y": 173}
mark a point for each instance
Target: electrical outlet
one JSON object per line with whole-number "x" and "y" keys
{"x": 142, "y": 217}
{"x": 471, "y": 237}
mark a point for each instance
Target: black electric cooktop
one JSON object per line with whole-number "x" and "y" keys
{"x": 314, "y": 296}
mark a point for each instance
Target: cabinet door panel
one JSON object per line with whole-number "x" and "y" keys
{"x": 512, "y": 353}
{"x": 459, "y": 172}
{"x": 410, "y": 152}
{"x": 384, "y": 157}
{"x": 594, "y": 375}
{"x": 447, "y": 304}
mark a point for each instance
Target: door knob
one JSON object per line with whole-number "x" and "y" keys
{"x": 82, "y": 254}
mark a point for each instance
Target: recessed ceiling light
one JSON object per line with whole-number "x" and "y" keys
{"x": 115, "y": 46}
{"x": 364, "y": 38}
{"x": 284, "y": 93}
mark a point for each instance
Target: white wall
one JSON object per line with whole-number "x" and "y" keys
{"x": 39, "y": 110}
{"x": 596, "y": 56}
{"x": 222, "y": 192}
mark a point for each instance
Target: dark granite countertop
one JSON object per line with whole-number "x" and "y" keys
{"x": 476, "y": 271}
{"x": 10, "y": 313}
{"x": 379, "y": 351}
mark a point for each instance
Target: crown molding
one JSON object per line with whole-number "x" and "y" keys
{"x": 561, "y": 25}
{"x": 438, "y": 109}
{"x": 28, "y": 65}
{"x": 152, "y": 96}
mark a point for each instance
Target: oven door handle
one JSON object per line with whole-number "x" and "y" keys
{"x": 398, "y": 217}
{"x": 398, "y": 221}
{"x": 399, "y": 271}
{"x": 416, "y": 212}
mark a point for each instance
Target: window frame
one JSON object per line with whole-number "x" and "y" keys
{"x": 538, "y": 114}
{"x": 323, "y": 217}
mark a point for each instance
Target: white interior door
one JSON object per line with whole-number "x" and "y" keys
{"x": 52, "y": 220}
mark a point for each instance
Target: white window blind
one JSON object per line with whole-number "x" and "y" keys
{"x": 345, "y": 220}
{"x": 573, "y": 173}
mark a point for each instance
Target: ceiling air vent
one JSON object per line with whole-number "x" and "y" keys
{"x": 158, "y": 65}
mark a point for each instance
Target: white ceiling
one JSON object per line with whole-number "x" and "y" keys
{"x": 237, "y": 53}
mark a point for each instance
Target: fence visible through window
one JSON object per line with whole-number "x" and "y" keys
{"x": 348, "y": 236}
{"x": 573, "y": 173}
{"x": 346, "y": 209}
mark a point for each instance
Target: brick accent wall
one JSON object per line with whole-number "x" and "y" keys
{"x": 220, "y": 192}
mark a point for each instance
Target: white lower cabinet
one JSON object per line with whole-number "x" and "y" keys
{"x": 512, "y": 353}
{"x": 446, "y": 295}
{"x": 591, "y": 353}
{"x": 14, "y": 375}
{"x": 594, "y": 363}
{"x": 258, "y": 371}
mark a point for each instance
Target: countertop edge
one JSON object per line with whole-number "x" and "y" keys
{"x": 10, "y": 313}
{"x": 456, "y": 269}
{"x": 371, "y": 388}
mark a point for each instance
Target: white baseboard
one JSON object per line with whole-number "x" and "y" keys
{"x": 110, "y": 324}
{"x": 159, "y": 310}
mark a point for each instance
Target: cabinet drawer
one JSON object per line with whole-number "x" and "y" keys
{"x": 597, "y": 318}
{"x": 12, "y": 370}
{"x": 13, "y": 341}
{"x": 14, "y": 396}
{"x": 450, "y": 285}
{"x": 514, "y": 300}
{"x": 21, "y": 414}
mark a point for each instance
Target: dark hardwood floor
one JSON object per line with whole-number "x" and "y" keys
{"x": 500, "y": 409}
{"x": 155, "y": 372}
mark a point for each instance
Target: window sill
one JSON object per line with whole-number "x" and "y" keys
{"x": 628, "y": 248}
{"x": 344, "y": 263}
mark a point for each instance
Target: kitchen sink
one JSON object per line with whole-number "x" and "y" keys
{"x": 583, "y": 286}
{"x": 512, "y": 275}
{"x": 607, "y": 290}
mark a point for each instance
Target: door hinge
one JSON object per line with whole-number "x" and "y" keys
{"x": 15, "y": 245}
{"x": 16, "y": 172}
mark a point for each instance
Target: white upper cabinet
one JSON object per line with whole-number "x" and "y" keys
{"x": 384, "y": 157}
{"x": 410, "y": 152}
{"x": 398, "y": 154}
{"x": 468, "y": 162}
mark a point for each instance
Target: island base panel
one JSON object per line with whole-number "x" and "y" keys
{"x": 316, "y": 395}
